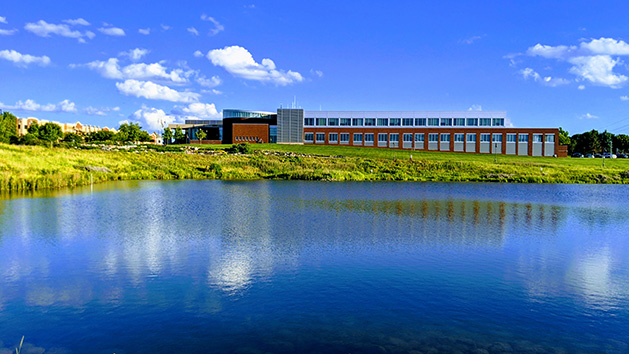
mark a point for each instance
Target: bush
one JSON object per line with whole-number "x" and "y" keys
{"x": 242, "y": 148}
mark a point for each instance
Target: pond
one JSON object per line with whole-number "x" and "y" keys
{"x": 311, "y": 267}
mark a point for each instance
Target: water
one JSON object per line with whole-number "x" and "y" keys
{"x": 282, "y": 267}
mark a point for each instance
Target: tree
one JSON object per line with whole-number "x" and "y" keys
{"x": 101, "y": 135}
{"x": 588, "y": 142}
{"x": 72, "y": 138}
{"x": 8, "y": 127}
{"x": 180, "y": 136}
{"x": 33, "y": 129}
{"x": 606, "y": 139}
{"x": 564, "y": 137}
{"x": 621, "y": 143}
{"x": 50, "y": 132}
{"x": 167, "y": 136}
{"x": 129, "y": 132}
{"x": 201, "y": 135}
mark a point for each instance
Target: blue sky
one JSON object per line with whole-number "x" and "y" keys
{"x": 547, "y": 64}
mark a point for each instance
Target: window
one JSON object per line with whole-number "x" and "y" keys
{"x": 382, "y": 137}
{"x": 321, "y": 122}
{"x": 433, "y": 122}
{"x": 446, "y": 122}
{"x": 433, "y": 137}
{"x": 407, "y": 122}
{"x": 445, "y": 138}
{"x": 333, "y": 138}
{"x": 472, "y": 122}
{"x": 523, "y": 138}
{"x": 498, "y": 122}
{"x": 395, "y": 122}
{"x": 346, "y": 122}
{"x": 309, "y": 121}
{"x": 419, "y": 137}
{"x": 497, "y": 138}
{"x": 485, "y": 122}
{"x": 471, "y": 138}
{"x": 370, "y": 122}
{"x": 333, "y": 122}
{"x": 550, "y": 138}
{"x": 485, "y": 138}
{"x": 344, "y": 138}
{"x": 420, "y": 122}
{"x": 358, "y": 137}
{"x": 407, "y": 137}
{"x": 511, "y": 138}
{"x": 537, "y": 138}
{"x": 459, "y": 138}
{"x": 369, "y": 138}
{"x": 357, "y": 122}
{"x": 459, "y": 122}
{"x": 320, "y": 137}
{"x": 394, "y": 137}
{"x": 383, "y": 122}
{"x": 309, "y": 137}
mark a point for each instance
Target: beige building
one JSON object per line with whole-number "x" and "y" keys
{"x": 78, "y": 128}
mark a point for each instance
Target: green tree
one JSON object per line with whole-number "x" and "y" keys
{"x": 564, "y": 137}
{"x": 72, "y": 138}
{"x": 180, "y": 136}
{"x": 50, "y": 132}
{"x": 201, "y": 135}
{"x": 588, "y": 142}
{"x": 606, "y": 140}
{"x": 144, "y": 136}
{"x": 101, "y": 135}
{"x": 8, "y": 127}
{"x": 129, "y": 132}
{"x": 33, "y": 129}
{"x": 621, "y": 143}
{"x": 167, "y": 136}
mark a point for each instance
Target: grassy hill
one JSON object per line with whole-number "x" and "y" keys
{"x": 33, "y": 168}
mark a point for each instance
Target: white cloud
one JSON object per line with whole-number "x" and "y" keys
{"x": 111, "y": 69}
{"x": 77, "y": 22}
{"x": 165, "y": 27}
{"x": 217, "y": 26}
{"x": 93, "y": 111}
{"x": 624, "y": 98}
{"x": 239, "y": 62}
{"x": 153, "y": 91}
{"x": 588, "y": 116}
{"x": 155, "y": 119}
{"x": 608, "y": 46}
{"x": 112, "y": 31}
{"x": 144, "y": 31}
{"x": 318, "y": 73}
{"x": 32, "y": 106}
{"x": 475, "y": 107}
{"x": 529, "y": 73}
{"x": 199, "y": 110}
{"x": 211, "y": 82}
{"x": 581, "y": 87}
{"x": 197, "y": 53}
{"x": 23, "y": 60}
{"x": 4, "y": 32}
{"x": 3, "y": 19}
{"x": 44, "y": 29}
{"x": 471, "y": 39}
{"x": 546, "y": 51}
{"x": 135, "y": 54}
{"x": 193, "y": 31}
{"x": 598, "y": 70}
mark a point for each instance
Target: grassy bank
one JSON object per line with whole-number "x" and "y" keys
{"x": 33, "y": 168}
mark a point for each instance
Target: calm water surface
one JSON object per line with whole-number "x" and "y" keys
{"x": 282, "y": 267}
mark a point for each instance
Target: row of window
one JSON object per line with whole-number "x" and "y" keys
{"x": 404, "y": 122}
{"x": 432, "y": 137}
{"x": 248, "y": 138}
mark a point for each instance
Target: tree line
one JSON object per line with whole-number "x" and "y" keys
{"x": 50, "y": 133}
{"x": 594, "y": 142}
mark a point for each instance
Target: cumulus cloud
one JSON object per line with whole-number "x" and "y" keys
{"x": 591, "y": 60}
{"x": 211, "y": 82}
{"x": 134, "y": 54}
{"x": 112, "y": 31}
{"x": 624, "y": 98}
{"x": 77, "y": 22}
{"x": 197, "y": 110}
{"x": 217, "y": 26}
{"x": 144, "y": 31}
{"x": 581, "y": 87}
{"x": 588, "y": 116}
{"x": 197, "y": 53}
{"x": 111, "y": 69}
{"x": 165, "y": 27}
{"x": 42, "y": 28}
{"x": 471, "y": 39}
{"x": 153, "y": 91}
{"x": 23, "y": 60}
{"x": 529, "y": 73}
{"x": 5, "y": 32}
{"x": 155, "y": 119}
{"x": 193, "y": 31}
{"x": 93, "y": 111}
{"x": 317, "y": 73}
{"x": 3, "y": 19}
{"x": 475, "y": 107}
{"x": 239, "y": 62}
{"x": 32, "y": 106}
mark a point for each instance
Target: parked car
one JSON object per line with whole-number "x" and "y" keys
{"x": 621, "y": 156}
{"x": 577, "y": 154}
{"x": 607, "y": 155}
{"x": 598, "y": 156}
{"x": 589, "y": 156}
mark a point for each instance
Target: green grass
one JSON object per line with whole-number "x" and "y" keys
{"x": 24, "y": 168}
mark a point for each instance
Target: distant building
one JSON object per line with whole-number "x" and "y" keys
{"x": 77, "y": 128}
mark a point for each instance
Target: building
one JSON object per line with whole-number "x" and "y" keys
{"x": 485, "y": 132}
{"x": 452, "y": 131}
{"x": 77, "y": 128}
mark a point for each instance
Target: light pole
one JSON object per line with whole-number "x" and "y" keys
{"x": 495, "y": 149}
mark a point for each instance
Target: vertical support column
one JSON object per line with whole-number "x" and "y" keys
{"x": 451, "y": 142}
{"x": 504, "y": 143}
{"x": 477, "y": 142}
{"x": 530, "y": 145}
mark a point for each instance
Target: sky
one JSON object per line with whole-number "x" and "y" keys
{"x": 547, "y": 64}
